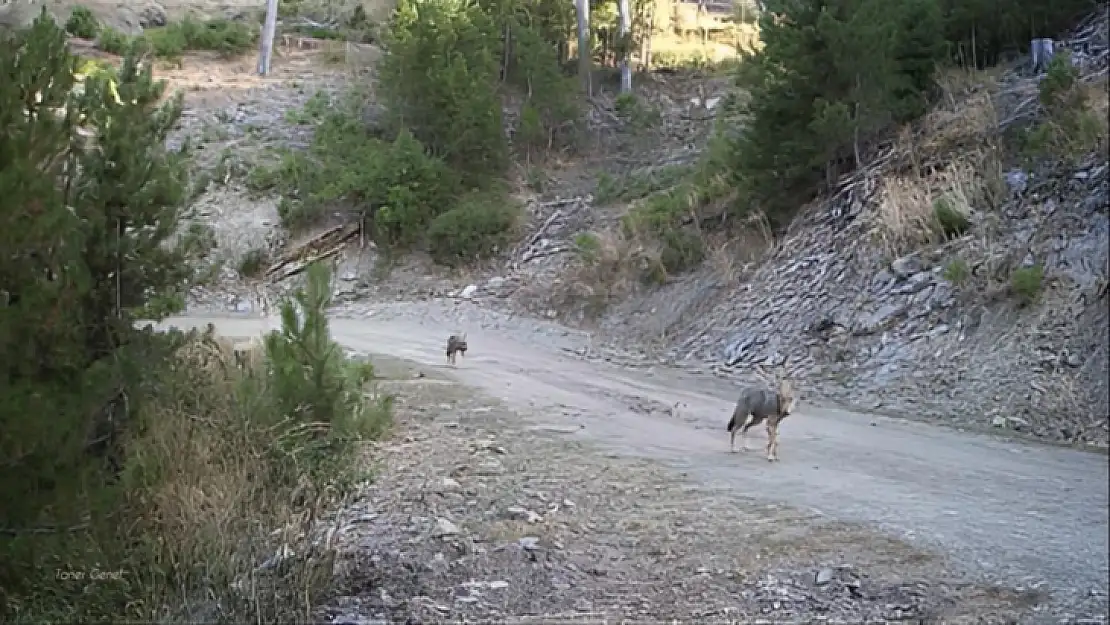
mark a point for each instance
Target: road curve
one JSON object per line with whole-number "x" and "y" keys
{"x": 1014, "y": 512}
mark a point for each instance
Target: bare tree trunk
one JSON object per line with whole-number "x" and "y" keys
{"x": 974, "y": 51}
{"x": 266, "y": 45}
{"x": 626, "y": 49}
{"x": 585, "y": 64}
{"x": 506, "y": 54}
{"x": 855, "y": 136}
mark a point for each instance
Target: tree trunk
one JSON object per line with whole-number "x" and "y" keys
{"x": 584, "y": 61}
{"x": 626, "y": 49}
{"x": 266, "y": 45}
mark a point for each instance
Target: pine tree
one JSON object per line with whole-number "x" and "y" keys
{"x": 88, "y": 197}
{"x": 307, "y": 365}
{"x": 832, "y": 75}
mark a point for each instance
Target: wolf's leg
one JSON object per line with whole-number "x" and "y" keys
{"x": 772, "y": 441}
{"x": 732, "y": 442}
{"x": 744, "y": 430}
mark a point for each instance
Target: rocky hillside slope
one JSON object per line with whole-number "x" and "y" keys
{"x": 931, "y": 331}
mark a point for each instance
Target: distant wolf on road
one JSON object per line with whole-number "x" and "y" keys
{"x": 759, "y": 404}
{"x": 456, "y": 344}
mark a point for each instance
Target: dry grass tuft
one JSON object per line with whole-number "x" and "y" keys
{"x": 734, "y": 256}
{"x": 921, "y": 207}
{"x": 1098, "y": 98}
{"x": 608, "y": 266}
{"x": 965, "y": 117}
{"x": 226, "y": 479}
{"x": 952, "y": 167}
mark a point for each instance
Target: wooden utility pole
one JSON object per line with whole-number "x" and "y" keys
{"x": 266, "y": 45}
{"x": 626, "y": 48}
{"x": 585, "y": 63}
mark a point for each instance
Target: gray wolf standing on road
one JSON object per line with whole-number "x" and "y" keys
{"x": 758, "y": 404}
{"x": 456, "y": 344}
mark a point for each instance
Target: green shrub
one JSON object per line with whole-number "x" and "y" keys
{"x": 530, "y": 132}
{"x": 587, "y": 247}
{"x": 480, "y": 227}
{"x": 113, "y": 42}
{"x": 660, "y": 218}
{"x": 1026, "y": 283}
{"x": 292, "y": 174}
{"x": 296, "y": 215}
{"x": 1056, "y": 91}
{"x": 641, "y": 184}
{"x": 197, "y": 240}
{"x": 553, "y": 111}
{"x": 537, "y": 179}
{"x": 252, "y": 264}
{"x": 439, "y": 78}
{"x": 950, "y": 221}
{"x": 174, "y": 39}
{"x": 167, "y": 42}
{"x": 956, "y": 271}
{"x": 397, "y": 187}
{"x": 633, "y": 111}
{"x": 1070, "y": 128}
{"x": 218, "y": 35}
{"x": 82, "y": 23}
{"x": 682, "y": 251}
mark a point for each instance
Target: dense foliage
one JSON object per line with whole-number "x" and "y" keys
{"x": 428, "y": 171}
{"x": 830, "y": 78}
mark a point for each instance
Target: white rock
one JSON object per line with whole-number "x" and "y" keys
{"x": 445, "y": 528}
{"x": 469, "y": 291}
{"x": 520, "y": 512}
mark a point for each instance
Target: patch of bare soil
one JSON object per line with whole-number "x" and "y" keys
{"x": 475, "y": 515}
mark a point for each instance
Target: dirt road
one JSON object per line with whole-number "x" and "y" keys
{"x": 1014, "y": 513}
